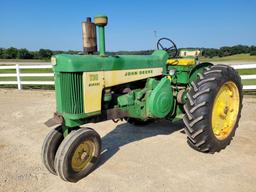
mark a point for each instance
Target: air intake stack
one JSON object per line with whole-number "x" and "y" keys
{"x": 101, "y": 21}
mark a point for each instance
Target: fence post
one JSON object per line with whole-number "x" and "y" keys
{"x": 18, "y": 77}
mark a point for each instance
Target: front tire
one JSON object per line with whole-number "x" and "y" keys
{"x": 49, "y": 148}
{"x": 213, "y": 109}
{"x": 78, "y": 154}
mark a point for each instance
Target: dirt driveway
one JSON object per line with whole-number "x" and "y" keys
{"x": 153, "y": 158}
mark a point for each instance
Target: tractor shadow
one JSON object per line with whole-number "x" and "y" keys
{"x": 126, "y": 133}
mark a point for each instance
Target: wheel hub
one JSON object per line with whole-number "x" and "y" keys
{"x": 83, "y": 155}
{"x": 225, "y": 110}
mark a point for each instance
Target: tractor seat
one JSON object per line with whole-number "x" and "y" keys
{"x": 186, "y": 57}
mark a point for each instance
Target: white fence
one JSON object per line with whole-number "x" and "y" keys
{"x": 18, "y": 75}
{"x": 247, "y": 66}
{"x": 19, "y": 82}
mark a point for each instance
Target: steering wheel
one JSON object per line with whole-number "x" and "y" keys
{"x": 172, "y": 49}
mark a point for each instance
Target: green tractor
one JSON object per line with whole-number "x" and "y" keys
{"x": 140, "y": 89}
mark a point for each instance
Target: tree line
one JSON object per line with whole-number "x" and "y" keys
{"x": 228, "y": 51}
{"x": 45, "y": 54}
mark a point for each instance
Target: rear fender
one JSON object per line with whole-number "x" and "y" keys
{"x": 198, "y": 69}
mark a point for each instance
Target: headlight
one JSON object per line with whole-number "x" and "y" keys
{"x": 53, "y": 60}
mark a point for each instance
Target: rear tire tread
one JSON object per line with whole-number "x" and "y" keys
{"x": 198, "y": 108}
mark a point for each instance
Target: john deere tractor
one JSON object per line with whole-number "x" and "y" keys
{"x": 168, "y": 84}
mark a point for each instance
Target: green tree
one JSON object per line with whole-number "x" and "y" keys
{"x": 44, "y": 53}
{"x": 210, "y": 52}
{"x": 34, "y": 54}
{"x": 238, "y": 49}
{"x": 253, "y": 52}
{"x": 225, "y": 51}
{"x": 1, "y": 53}
{"x": 252, "y": 48}
{"x": 10, "y": 53}
{"x": 24, "y": 54}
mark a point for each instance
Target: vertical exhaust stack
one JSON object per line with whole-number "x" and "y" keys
{"x": 101, "y": 21}
{"x": 89, "y": 36}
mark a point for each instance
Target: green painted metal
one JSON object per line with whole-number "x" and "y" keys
{"x": 71, "y": 93}
{"x": 80, "y": 116}
{"x": 102, "y": 40}
{"x": 85, "y": 63}
{"x": 137, "y": 111}
{"x": 186, "y": 74}
{"x": 197, "y": 69}
{"x": 160, "y": 102}
{"x": 69, "y": 97}
{"x": 154, "y": 101}
{"x": 179, "y": 113}
{"x": 74, "y": 120}
{"x": 126, "y": 100}
{"x": 151, "y": 83}
{"x": 184, "y": 97}
{"x": 101, "y": 21}
{"x": 65, "y": 130}
{"x": 134, "y": 102}
{"x": 58, "y": 92}
{"x": 181, "y": 73}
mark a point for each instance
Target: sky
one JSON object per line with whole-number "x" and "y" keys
{"x": 133, "y": 24}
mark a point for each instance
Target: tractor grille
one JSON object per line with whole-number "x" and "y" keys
{"x": 72, "y": 92}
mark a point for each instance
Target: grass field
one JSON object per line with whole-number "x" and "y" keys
{"x": 239, "y": 57}
{"x": 248, "y": 72}
{"x": 23, "y": 60}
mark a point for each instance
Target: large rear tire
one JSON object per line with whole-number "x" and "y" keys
{"x": 213, "y": 109}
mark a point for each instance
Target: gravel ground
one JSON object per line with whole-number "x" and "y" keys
{"x": 153, "y": 158}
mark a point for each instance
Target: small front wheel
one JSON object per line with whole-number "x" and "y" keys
{"x": 78, "y": 154}
{"x": 49, "y": 148}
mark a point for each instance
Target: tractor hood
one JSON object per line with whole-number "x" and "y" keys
{"x": 84, "y": 63}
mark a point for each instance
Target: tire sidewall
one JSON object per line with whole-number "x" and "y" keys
{"x": 68, "y": 171}
{"x": 49, "y": 148}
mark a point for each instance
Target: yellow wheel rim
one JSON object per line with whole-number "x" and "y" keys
{"x": 225, "y": 110}
{"x": 83, "y": 155}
